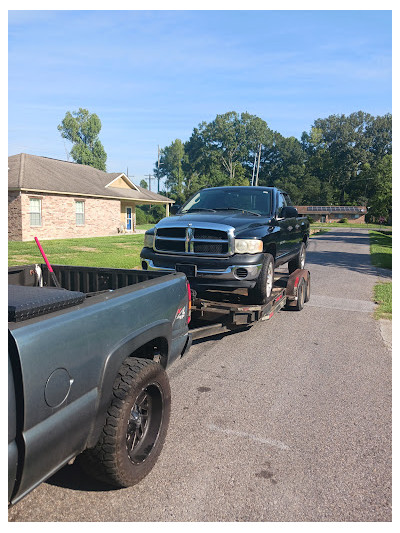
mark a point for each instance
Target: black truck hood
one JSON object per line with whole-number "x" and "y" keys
{"x": 238, "y": 220}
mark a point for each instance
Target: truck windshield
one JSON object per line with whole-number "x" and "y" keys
{"x": 250, "y": 200}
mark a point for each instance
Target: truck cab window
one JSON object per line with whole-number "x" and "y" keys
{"x": 281, "y": 204}
{"x": 288, "y": 200}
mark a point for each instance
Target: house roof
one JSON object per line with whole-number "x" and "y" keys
{"x": 345, "y": 209}
{"x": 43, "y": 174}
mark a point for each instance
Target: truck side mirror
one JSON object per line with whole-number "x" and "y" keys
{"x": 174, "y": 209}
{"x": 289, "y": 212}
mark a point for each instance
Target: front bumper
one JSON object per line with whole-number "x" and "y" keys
{"x": 239, "y": 270}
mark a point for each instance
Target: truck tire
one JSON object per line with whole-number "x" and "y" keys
{"x": 299, "y": 261}
{"x": 136, "y": 425}
{"x": 262, "y": 291}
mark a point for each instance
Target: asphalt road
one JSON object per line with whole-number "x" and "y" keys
{"x": 289, "y": 421}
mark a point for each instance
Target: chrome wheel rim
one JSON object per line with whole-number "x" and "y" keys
{"x": 270, "y": 279}
{"x": 302, "y": 258}
{"x": 144, "y": 423}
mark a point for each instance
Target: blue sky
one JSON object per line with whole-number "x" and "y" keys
{"x": 152, "y": 76}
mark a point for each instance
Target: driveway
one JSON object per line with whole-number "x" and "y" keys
{"x": 288, "y": 421}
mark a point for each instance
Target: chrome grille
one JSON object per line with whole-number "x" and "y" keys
{"x": 190, "y": 240}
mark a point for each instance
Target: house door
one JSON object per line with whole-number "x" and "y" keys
{"x": 323, "y": 219}
{"x": 129, "y": 219}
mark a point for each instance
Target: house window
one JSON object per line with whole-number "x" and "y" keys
{"x": 35, "y": 211}
{"x": 80, "y": 213}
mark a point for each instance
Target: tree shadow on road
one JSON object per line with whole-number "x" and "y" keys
{"x": 351, "y": 261}
{"x": 351, "y": 237}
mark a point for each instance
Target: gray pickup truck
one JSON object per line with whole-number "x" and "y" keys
{"x": 86, "y": 370}
{"x": 229, "y": 238}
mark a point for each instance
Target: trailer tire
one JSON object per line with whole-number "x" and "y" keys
{"x": 301, "y": 295}
{"x": 262, "y": 291}
{"x": 299, "y": 261}
{"x": 308, "y": 290}
{"x": 136, "y": 425}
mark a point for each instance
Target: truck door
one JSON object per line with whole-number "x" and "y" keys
{"x": 294, "y": 227}
{"x": 284, "y": 243}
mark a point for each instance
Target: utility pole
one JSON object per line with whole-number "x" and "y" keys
{"x": 258, "y": 164}
{"x": 149, "y": 176}
{"x": 254, "y": 169}
{"x": 158, "y": 168}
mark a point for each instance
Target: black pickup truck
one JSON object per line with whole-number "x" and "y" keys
{"x": 86, "y": 370}
{"x": 228, "y": 238}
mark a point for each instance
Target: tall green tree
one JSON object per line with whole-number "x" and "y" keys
{"x": 171, "y": 159}
{"x": 222, "y": 152}
{"x": 283, "y": 165}
{"x": 379, "y": 133}
{"x": 235, "y": 138}
{"x": 380, "y": 203}
{"x": 82, "y": 129}
{"x": 345, "y": 141}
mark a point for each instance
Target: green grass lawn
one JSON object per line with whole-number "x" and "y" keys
{"x": 122, "y": 251}
{"x": 145, "y": 226}
{"x": 348, "y": 225}
{"x": 381, "y": 249}
{"x": 383, "y": 297}
{"x": 381, "y": 256}
{"x": 318, "y": 232}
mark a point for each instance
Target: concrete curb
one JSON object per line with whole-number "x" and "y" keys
{"x": 385, "y": 327}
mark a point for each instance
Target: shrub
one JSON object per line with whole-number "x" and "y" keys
{"x": 141, "y": 217}
{"x": 310, "y": 219}
{"x": 343, "y": 220}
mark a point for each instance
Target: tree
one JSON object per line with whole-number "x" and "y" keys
{"x": 171, "y": 167}
{"x": 235, "y": 139}
{"x": 82, "y": 129}
{"x": 283, "y": 165}
{"x": 380, "y": 134}
{"x": 345, "y": 141}
{"x": 380, "y": 204}
{"x": 143, "y": 184}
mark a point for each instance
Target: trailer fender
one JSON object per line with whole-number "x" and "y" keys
{"x": 293, "y": 283}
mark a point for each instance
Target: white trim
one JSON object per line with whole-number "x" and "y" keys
{"x": 86, "y": 195}
{"x": 126, "y": 179}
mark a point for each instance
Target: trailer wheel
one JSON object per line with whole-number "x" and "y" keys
{"x": 136, "y": 425}
{"x": 262, "y": 291}
{"x": 299, "y": 261}
{"x": 308, "y": 290}
{"x": 301, "y": 295}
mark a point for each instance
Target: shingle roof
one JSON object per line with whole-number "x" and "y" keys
{"x": 317, "y": 210}
{"x": 36, "y": 173}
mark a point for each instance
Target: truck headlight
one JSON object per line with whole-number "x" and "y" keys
{"x": 248, "y": 246}
{"x": 148, "y": 240}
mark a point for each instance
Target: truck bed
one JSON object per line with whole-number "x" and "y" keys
{"x": 31, "y": 291}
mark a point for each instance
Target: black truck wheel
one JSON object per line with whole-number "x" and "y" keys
{"x": 136, "y": 425}
{"x": 262, "y": 291}
{"x": 299, "y": 261}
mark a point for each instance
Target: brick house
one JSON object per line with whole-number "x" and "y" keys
{"x": 54, "y": 199}
{"x": 334, "y": 213}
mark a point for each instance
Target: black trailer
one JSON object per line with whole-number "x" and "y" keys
{"x": 218, "y": 312}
